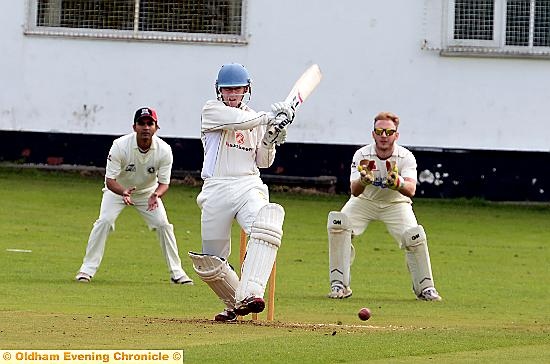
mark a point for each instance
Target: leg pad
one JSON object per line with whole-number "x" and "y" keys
{"x": 418, "y": 258}
{"x": 340, "y": 248}
{"x": 218, "y": 274}
{"x": 265, "y": 240}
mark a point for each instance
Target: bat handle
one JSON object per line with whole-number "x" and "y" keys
{"x": 282, "y": 120}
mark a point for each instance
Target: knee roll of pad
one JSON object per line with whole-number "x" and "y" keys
{"x": 218, "y": 274}
{"x": 210, "y": 267}
{"x": 413, "y": 237}
{"x": 268, "y": 225}
{"x": 338, "y": 221}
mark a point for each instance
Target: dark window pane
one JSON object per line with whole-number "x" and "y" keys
{"x": 212, "y": 17}
{"x": 474, "y": 19}
{"x": 517, "y": 22}
{"x": 184, "y": 16}
{"x": 89, "y": 14}
{"x": 541, "y": 36}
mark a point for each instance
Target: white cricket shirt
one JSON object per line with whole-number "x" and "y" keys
{"x": 232, "y": 141}
{"x": 378, "y": 191}
{"x": 129, "y": 167}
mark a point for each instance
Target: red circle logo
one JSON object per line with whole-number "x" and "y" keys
{"x": 239, "y": 137}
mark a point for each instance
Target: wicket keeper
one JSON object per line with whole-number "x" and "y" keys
{"x": 383, "y": 181}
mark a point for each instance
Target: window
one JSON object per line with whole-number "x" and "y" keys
{"x": 217, "y": 21}
{"x": 497, "y": 27}
{"x": 474, "y": 20}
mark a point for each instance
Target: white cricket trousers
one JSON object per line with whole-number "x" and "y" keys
{"x": 111, "y": 207}
{"x": 223, "y": 199}
{"x": 398, "y": 217}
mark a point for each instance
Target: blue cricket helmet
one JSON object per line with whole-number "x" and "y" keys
{"x": 233, "y": 75}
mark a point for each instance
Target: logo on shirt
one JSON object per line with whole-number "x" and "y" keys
{"x": 151, "y": 169}
{"x": 355, "y": 165}
{"x": 130, "y": 168}
{"x": 239, "y": 137}
{"x": 237, "y": 146}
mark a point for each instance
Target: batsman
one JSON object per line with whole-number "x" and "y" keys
{"x": 237, "y": 141}
{"x": 382, "y": 181}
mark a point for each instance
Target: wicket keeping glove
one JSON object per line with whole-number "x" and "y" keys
{"x": 394, "y": 180}
{"x": 365, "y": 168}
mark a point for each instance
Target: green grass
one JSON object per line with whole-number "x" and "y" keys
{"x": 490, "y": 262}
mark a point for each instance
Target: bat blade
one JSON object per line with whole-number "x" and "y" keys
{"x": 304, "y": 86}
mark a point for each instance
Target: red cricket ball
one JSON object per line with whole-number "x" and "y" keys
{"x": 364, "y": 314}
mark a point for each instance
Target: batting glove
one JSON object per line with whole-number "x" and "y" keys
{"x": 394, "y": 180}
{"x": 365, "y": 170}
{"x": 283, "y": 109}
{"x": 274, "y": 136}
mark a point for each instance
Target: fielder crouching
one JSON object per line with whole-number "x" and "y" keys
{"x": 236, "y": 144}
{"x": 382, "y": 181}
{"x": 137, "y": 174}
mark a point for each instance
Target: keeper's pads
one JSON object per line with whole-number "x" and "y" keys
{"x": 418, "y": 258}
{"x": 265, "y": 240}
{"x": 219, "y": 276}
{"x": 339, "y": 247}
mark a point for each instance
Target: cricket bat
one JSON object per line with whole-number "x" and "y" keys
{"x": 303, "y": 87}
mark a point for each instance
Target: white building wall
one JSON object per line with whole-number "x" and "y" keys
{"x": 369, "y": 51}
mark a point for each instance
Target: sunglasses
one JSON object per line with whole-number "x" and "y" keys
{"x": 143, "y": 123}
{"x": 380, "y": 131}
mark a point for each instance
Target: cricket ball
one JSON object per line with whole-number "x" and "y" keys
{"x": 364, "y": 314}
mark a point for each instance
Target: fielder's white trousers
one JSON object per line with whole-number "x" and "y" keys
{"x": 224, "y": 199}
{"x": 398, "y": 217}
{"x": 111, "y": 207}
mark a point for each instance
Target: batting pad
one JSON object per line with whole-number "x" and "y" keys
{"x": 418, "y": 258}
{"x": 265, "y": 240}
{"x": 219, "y": 276}
{"x": 339, "y": 247}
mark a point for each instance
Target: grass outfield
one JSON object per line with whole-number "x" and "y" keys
{"x": 490, "y": 262}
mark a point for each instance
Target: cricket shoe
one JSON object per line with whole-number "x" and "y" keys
{"x": 339, "y": 291}
{"x": 227, "y": 315}
{"x": 83, "y": 277}
{"x": 184, "y": 279}
{"x": 429, "y": 294}
{"x": 250, "y": 305}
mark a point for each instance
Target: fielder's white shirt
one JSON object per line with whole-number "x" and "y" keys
{"x": 232, "y": 141}
{"x": 378, "y": 191}
{"x": 129, "y": 167}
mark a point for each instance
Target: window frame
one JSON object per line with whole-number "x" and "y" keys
{"x": 497, "y": 25}
{"x": 496, "y": 46}
{"x": 31, "y": 28}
